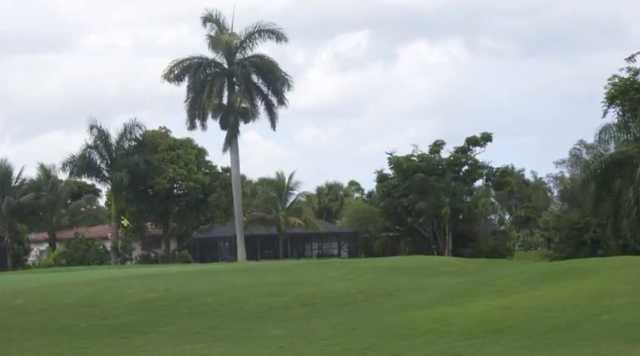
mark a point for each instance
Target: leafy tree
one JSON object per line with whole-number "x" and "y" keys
{"x": 280, "y": 204}
{"x": 106, "y": 159}
{"x": 86, "y": 208}
{"x": 598, "y": 189}
{"x": 368, "y": 220}
{"x": 174, "y": 183}
{"x": 13, "y": 196}
{"x": 354, "y": 190}
{"x": 328, "y": 201}
{"x": 522, "y": 202}
{"x": 232, "y": 87}
{"x": 424, "y": 194}
{"x": 79, "y": 251}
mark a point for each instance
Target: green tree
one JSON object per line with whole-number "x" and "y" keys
{"x": 280, "y": 204}
{"x": 369, "y": 221}
{"x": 522, "y": 201}
{"x": 52, "y": 196}
{"x": 329, "y": 201}
{"x": 354, "y": 190}
{"x": 57, "y": 200}
{"x": 106, "y": 159}
{"x": 12, "y": 196}
{"x": 174, "y": 183}
{"x": 599, "y": 191}
{"x": 425, "y": 194}
{"x": 578, "y": 224}
{"x": 86, "y": 209}
{"x": 232, "y": 87}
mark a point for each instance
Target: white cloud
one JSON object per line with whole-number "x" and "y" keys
{"x": 371, "y": 76}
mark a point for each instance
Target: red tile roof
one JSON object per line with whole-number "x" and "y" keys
{"x": 99, "y": 232}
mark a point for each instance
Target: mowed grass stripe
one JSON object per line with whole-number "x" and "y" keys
{"x": 391, "y": 306}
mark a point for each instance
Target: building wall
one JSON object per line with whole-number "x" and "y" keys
{"x": 3, "y": 256}
{"x": 215, "y": 249}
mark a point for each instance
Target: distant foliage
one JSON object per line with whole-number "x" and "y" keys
{"x": 79, "y": 251}
{"x": 176, "y": 257}
{"x": 597, "y": 210}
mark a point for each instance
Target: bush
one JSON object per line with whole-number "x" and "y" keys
{"x": 532, "y": 255}
{"x": 78, "y": 251}
{"x": 183, "y": 257}
{"x": 149, "y": 258}
{"x": 496, "y": 244}
{"x": 51, "y": 260}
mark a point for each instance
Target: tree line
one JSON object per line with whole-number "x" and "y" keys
{"x": 437, "y": 201}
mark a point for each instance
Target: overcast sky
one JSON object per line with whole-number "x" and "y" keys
{"x": 371, "y": 76}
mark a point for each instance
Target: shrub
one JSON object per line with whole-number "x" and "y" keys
{"x": 496, "y": 244}
{"x": 183, "y": 257}
{"x": 78, "y": 251}
{"x": 51, "y": 260}
{"x": 148, "y": 258}
{"x": 532, "y": 255}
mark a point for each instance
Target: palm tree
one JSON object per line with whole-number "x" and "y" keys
{"x": 12, "y": 195}
{"x": 280, "y": 204}
{"x": 614, "y": 173}
{"x": 55, "y": 200}
{"x": 231, "y": 87}
{"x": 105, "y": 160}
{"x": 329, "y": 200}
{"x": 52, "y": 195}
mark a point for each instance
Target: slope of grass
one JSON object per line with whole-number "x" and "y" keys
{"x": 394, "y": 306}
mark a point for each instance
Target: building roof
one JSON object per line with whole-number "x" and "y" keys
{"x": 228, "y": 230}
{"x": 98, "y": 232}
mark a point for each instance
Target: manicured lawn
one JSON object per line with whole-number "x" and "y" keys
{"x": 395, "y": 306}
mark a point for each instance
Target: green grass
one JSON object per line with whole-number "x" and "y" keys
{"x": 394, "y": 306}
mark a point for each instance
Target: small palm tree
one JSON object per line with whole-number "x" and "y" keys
{"x": 329, "y": 200}
{"x": 232, "y": 87}
{"x": 54, "y": 198}
{"x": 105, "y": 159}
{"x": 51, "y": 195}
{"x": 12, "y": 195}
{"x": 280, "y": 204}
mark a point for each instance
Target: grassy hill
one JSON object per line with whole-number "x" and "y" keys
{"x": 393, "y": 306}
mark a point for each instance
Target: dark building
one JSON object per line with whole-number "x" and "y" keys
{"x": 218, "y": 243}
{"x": 3, "y": 256}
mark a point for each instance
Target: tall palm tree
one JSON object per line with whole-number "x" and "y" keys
{"x": 232, "y": 87}
{"x": 280, "y": 204}
{"x": 105, "y": 159}
{"x": 12, "y": 195}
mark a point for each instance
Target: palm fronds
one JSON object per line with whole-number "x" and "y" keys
{"x": 234, "y": 85}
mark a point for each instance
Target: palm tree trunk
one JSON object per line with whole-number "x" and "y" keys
{"x": 115, "y": 231}
{"x": 236, "y": 187}
{"x": 448, "y": 241}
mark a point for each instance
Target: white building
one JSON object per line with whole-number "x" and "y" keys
{"x": 39, "y": 242}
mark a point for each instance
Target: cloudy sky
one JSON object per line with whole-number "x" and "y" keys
{"x": 371, "y": 76}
